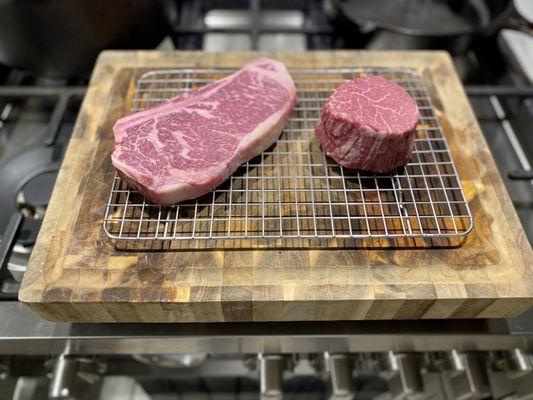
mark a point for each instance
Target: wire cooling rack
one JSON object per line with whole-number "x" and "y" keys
{"x": 293, "y": 190}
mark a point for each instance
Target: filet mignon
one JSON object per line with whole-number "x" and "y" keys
{"x": 369, "y": 124}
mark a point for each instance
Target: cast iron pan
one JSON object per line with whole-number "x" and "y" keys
{"x": 435, "y": 18}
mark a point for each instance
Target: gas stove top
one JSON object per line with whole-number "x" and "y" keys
{"x": 35, "y": 123}
{"x": 37, "y": 115}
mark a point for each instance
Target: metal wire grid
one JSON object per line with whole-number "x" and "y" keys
{"x": 293, "y": 190}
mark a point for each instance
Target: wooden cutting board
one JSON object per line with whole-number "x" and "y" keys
{"x": 77, "y": 274}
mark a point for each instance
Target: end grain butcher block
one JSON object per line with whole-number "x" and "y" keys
{"x": 77, "y": 274}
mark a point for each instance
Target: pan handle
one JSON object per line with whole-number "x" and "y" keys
{"x": 521, "y": 175}
{"x": 8, "y": 241}
{"x": 518, "y": 23}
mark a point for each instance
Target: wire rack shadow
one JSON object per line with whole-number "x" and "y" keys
{"x": 293, "y": 190}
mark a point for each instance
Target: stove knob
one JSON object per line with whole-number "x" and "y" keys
{"x": 73, "y": 376}
{"x": 64, "y": 375}
{"x": 517, "y": 365}
{"x": 403, "y": 371}
{"x": 4, "y": 369}
{"x": 271, "y": 367}
{"x": 468, "y": 377}
{"x": 340, "y": 367}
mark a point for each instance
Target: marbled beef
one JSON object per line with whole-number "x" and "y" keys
{"x": 369, "y": 124}
{"x": 187, "y": 146}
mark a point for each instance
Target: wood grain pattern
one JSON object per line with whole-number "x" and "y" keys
{"x": 76, "y": 273}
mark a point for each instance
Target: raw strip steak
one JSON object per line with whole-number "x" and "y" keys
{"x": 189, "y": 145}
{"x": 369, "y": 123}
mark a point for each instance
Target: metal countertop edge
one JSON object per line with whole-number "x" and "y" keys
{"x": 23, "y": 332}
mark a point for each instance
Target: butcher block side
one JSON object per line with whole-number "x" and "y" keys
{"x": 77, "y": 274}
